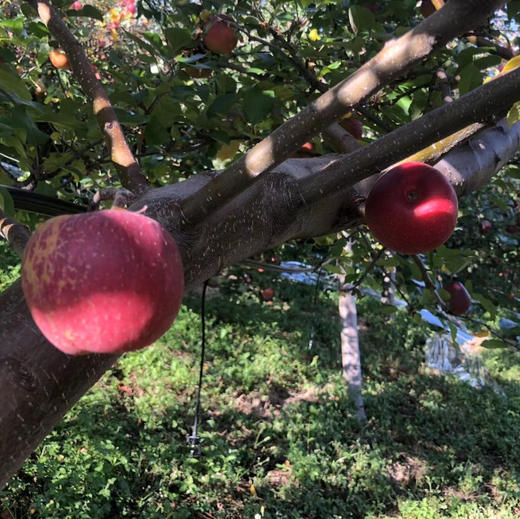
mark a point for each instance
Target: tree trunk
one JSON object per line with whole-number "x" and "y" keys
{"x": 350, "y": 355}
{"x": 39, "y": 383}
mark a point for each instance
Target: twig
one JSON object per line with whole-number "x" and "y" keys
{"x": 429, "y": 283}
{"x": 353, "y": 287}
{"x": 129, "y": 170}
{"x": 16, "y": 234}
{"x": 506, "y": 340}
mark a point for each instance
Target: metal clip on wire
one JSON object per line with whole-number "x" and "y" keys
{"x": 194, "y": 442}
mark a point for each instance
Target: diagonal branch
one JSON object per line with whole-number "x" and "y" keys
{"x": 483, "y": 104}
{"x": 121, "y": 154}
{"x": 455, "y": 18}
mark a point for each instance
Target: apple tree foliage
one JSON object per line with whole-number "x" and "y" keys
{"x": 179, "y": 124}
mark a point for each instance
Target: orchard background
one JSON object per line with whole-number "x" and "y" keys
{"x": 240, "y": 155}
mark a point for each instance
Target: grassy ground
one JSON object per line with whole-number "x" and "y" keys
{"x": 280, "y": 438}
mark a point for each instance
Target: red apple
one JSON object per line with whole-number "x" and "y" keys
{"x": 460, "y": 300}
{"x": 267, "y": 294}
{"x": 512, "y": 229}
{"x": 427, "y": 8}
{"x": 353, "y": 126}
{"x": 59, "y": 59}
{"x": 102, "y": 282}
{"x": 485, "y": 227}
{"x": 220, "y": 37}
{"x": 76, "y": 6}
{"x": 412, "y": 208}
{"x": 307, "y": 150}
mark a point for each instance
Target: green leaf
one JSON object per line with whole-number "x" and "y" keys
{"x": 470, "y": 78}
{"x": 258, "y": 104}
{"x": 20, "y": 119}
{"x": 87, "y": 11}
{"x": 156, "y": 132}
{"x": 221, "y": 104}
{"x": 11, "y": 83}
{"x": 6, "y": 202}
{"x": 494, "y": 343}
{"x": 178, "y": 38}
{"x": 513, "y": 116}
{"x": 360, "y": 18}
{"x": 454, "y": 260}
{"x": 486, "y": 303}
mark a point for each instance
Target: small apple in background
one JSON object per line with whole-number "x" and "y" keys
{"x": 219, "y": 36}
{"x": 102, "y": 282}
{"x": 76, "y": 6}
{"x": 460, "y": 300}
{"x": 412, "y": 209}
{"x": 267, "y": 294}
{"x": 353, "y": 126}
{"x": 428, "y": 7}
{"x": 308, "y": 149}
{"x": 484, "y": 227}
{"x": 511, "y": 229}
{"x": 59, "y": 59}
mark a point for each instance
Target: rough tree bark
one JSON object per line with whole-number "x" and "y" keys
{"x": 298, "y": 198}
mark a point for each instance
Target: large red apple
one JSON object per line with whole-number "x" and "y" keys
{"x": 220, "y": 36}
{"x": 460, "y": 299}
{"x": 412, "y": 208}
{"x": 102, "y": 282}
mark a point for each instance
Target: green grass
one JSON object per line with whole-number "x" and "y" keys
{"x": 279, "y": 434}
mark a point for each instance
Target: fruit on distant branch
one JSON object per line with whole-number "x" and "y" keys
{"x": 460, "y": 300}
{"x": 307, "y": 149}
{"x": 267, "y": 294}
{"x": 76, "y": 5}
{"x": 485, "y": 227}
{"x": 428, "y": 7}
{"x": 219, "y": 35}
{"x": 59, "y": 59}
{"x": 412, "y": 208}
{"x": 353, "y": 126}
{"x": 102, "y": 282}
{"x": 511, "y": 229}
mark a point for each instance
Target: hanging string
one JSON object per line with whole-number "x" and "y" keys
{"x": 314, "y": 299}
{"x": 194, "y": 439}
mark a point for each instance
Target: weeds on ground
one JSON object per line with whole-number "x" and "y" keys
{"x": 279, "y": 434}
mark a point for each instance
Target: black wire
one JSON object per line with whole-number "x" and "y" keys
{"x": 194, "y": 440}
{"x": 314, "y": 299}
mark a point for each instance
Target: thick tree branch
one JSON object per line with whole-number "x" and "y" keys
{"x": 455, "y": 18}
{"x": 129, "y": 171}
{"x": 480, "y": 105}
